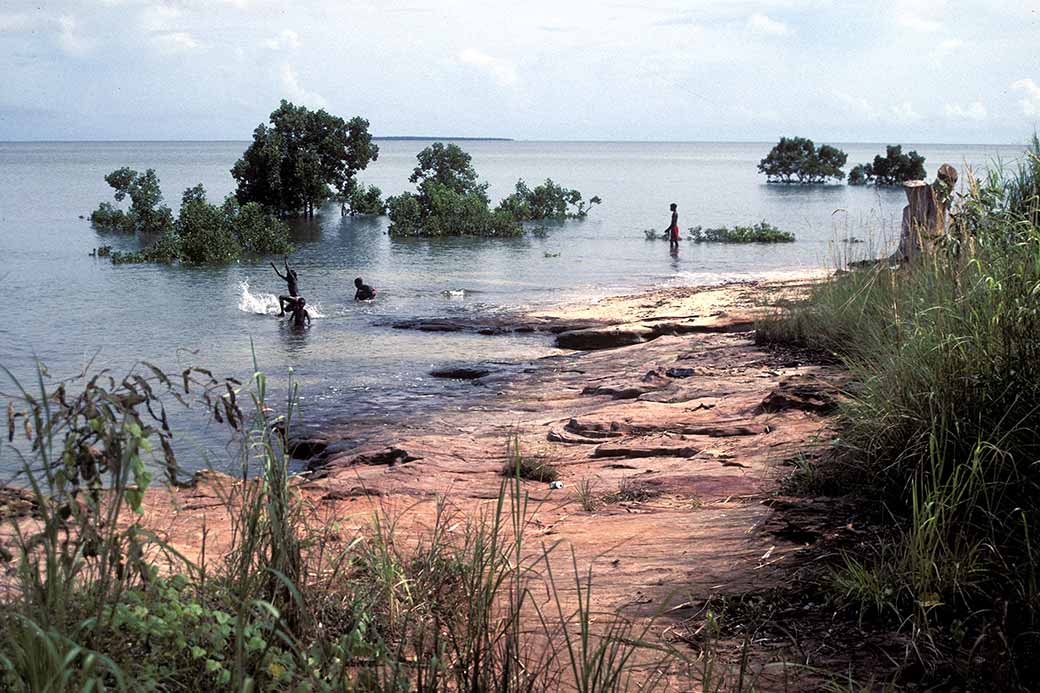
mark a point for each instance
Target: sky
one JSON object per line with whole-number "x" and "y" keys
{"x": 950, "y": 71}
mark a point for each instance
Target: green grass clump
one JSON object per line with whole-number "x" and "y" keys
{"x": 762, "y": 232}
{"x": 943, "y": 426}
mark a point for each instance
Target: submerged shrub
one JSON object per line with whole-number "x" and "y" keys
{"x": 364, "y": 199}
{"x": 546, "y": 201}
{"x": 203, "y": 233}
{"x": 146, "y": 215}
{"x": 761, "y": 232}
{"x": 448, "y": 200}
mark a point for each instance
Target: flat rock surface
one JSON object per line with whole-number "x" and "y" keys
{"x": 698, "y": 421}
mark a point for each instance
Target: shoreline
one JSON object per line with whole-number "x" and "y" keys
{"x": 680, "y": 437}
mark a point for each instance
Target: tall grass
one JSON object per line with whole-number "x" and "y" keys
{"x": 943, "y": 422}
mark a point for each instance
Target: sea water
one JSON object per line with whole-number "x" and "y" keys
{"x": 67, "y": 308}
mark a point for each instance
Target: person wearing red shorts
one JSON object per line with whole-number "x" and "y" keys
{"x": 673, "y": 228}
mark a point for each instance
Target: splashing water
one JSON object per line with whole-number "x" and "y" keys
{"x": 267, "y": 304}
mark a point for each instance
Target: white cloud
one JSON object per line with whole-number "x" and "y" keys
{"x": 159, "y": 17}
{"x": 1031, "y": 96}
{"x": 288, "y": 39}
{"x": 761, "y": 24}
{"x": 295, "y": 92}
{"x": 503, "y": 72}
{"x": 904, "y": 113}
{"x": 176, "y": 42}
{"x": 15, "y": 22}
{"x": 945, "y": 49}
{"x": 921, "y": 16}
{"x": 858, "y": 105}
{"x": 973, "y": 111}
{"x": 69, "y": 39}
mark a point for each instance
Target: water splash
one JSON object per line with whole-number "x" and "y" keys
{"x": 267, "y": 304}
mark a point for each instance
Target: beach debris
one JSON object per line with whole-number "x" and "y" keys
{"x": 554, "y": 485}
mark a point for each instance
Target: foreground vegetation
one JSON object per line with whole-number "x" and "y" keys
{"x": 202, "y": 233}
{"x": 942, "y": 429}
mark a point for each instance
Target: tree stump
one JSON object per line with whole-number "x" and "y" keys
{"x": 924, "y": 218}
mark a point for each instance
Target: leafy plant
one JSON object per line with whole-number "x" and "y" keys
{"x": 302, "y": 159}
{"x": 147, "y": 213}
{"x": 892, "y": 169}
{"x": 546, "y": 201}
{"x": 448, "y": 200}
{"x": 364, "y": 199}
{"x": 762, "y": 232}
{"x": 204, "y": 233}
{"x": 798, "y": 160}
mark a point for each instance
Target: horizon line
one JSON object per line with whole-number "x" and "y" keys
{"x": 462, "y": 138}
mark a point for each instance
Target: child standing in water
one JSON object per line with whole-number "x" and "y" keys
{"x": 290, "y": 279}
{"x": 673, "y": 228}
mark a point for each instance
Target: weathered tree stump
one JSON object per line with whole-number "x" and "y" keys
{"x": 924, "y": 218}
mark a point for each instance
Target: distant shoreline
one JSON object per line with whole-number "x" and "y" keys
{"x": 416, "y": 138}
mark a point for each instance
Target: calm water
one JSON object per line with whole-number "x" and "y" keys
{"x": 68, "y": 306}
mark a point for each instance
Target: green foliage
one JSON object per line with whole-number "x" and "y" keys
{"x": 762, "y": 232}
{"x": 364, "y": 199}
{"x": 943, "y": 425}
{"x": 302, "y": 159}
{"x": 207, "y": 234}
{"x": 798, "y": 160}
{"x": 546, "y": 201}
{"x": 892, "y": 169}
{"x": 447, "y": 167}
{"x": 146, "y": 215}
{"x": 448, "y": 201}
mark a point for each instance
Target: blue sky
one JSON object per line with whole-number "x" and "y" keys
{"x": 841, "y": 70}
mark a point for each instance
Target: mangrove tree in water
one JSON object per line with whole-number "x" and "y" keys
{"x": 546, "y": 201}
{"x": 202, "y": 233}
{"x": 302, "y": 159}
{"x": 449, "y": 200}
{"x": 892, "y": 169}
{"x": 147, "y": 213}
{"x": 362, "y": 199}
{"x": 798, "y": 160}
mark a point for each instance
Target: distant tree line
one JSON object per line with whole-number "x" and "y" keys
{"x": 797, "y": 160}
